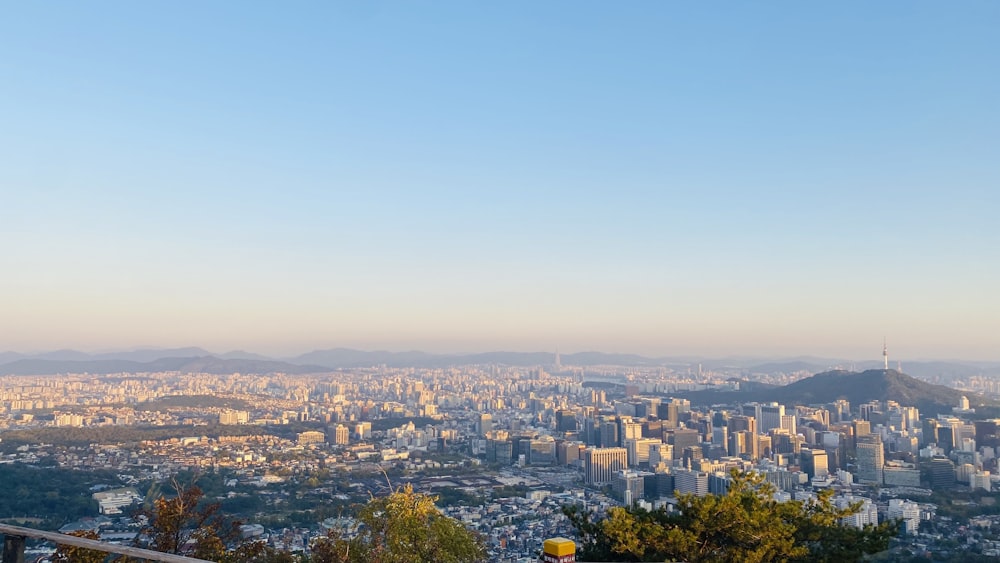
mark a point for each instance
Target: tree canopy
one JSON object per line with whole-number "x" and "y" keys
{"x": 72, "y": 554}
{"x": 186, "y": 525}
{"x": 403, "y": 527}
{"x": 744, "y": 525}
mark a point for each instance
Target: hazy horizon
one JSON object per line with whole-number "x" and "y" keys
{"x": 664, "y": 179}
{"x": 439, "y": 351}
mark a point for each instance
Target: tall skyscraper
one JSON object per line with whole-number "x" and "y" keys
{"x": 720, "y": 437}
{"x": 485, "y": 423}
{"x": 609, "y": 433}
{"x": 630, "y": 430}
{"x": 600, "y": 464}
{"x": 770, "y": 416}
{"x": 789, "y": 422}
{"x": 871, "y": 459}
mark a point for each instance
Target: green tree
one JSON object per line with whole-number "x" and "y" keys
{"x": 743, "y": 525}
{"x": 403, "y": 527}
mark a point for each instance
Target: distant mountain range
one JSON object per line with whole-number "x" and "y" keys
{"x": 200, "y": 360}
{"x": 204, "y": 364}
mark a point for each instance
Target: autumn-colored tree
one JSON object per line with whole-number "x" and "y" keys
{"x": 403, "y": 527}
{"x": 72, "y": 554}
{"x": 744, "y": 525}
{"x": 184, "y": 524}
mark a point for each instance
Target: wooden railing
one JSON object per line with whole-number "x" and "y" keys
{"x": 14, "y": 536}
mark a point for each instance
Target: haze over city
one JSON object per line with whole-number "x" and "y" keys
{"x": 662, "y": 179}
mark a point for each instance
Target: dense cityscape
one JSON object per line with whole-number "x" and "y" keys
{"x": 503, "y": 448}
{"x": 514, "y": 282}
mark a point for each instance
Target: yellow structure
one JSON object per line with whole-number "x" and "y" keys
{"x": 559, "y": 550}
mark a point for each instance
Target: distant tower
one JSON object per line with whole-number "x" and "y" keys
{"x": 885, "y": 354}
{"x": 558, "y": 364}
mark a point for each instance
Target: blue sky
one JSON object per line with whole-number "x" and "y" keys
{"x": 662, "y": 177}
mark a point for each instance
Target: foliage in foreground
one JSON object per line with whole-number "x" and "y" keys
{"x": 744, "y": 525}
{"x": 185, "y": 525}
{"x": 72, "y": 554}
{"x": 403, "y": 527}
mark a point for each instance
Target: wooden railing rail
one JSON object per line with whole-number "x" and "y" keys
{"x": 14, "y": 536}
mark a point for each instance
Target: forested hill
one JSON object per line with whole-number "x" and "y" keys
{"x": 856, "y": 387}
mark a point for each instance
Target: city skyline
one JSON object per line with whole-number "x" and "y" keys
{"x": 767, "y": 181}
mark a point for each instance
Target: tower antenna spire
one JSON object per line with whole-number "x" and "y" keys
{"x": 885, "y": 353}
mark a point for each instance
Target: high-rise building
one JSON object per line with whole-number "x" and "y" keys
{"x": 652, "y": 429}
{"x": 861, "y": 428}
{"x": 789, "y": 422}
{"x": 591, "y": 432}
{"x": 565, "y": 421}
{"x": 609, "y": 434}
{"x": 942, "y": 472}
{"x": 485, "y": 423}
{"x": 668, "y": 413}
{"x": 638, "y": 450}
{"x": 868, "y": 409}
{"x": 770, "y": 416}
{"x": 600, "y": 464}
{"x": 542, "y": 451}
{"x": 658, "y": 485}
{"x": 568, "y": 453}
{"x": 841, "y": 410}
{"x": 741, "y": 423}
{"x": 363, "y": 430}
{"x": 948, "y": 434}
{"x": 871, "y": 459}
{"x": 720, "y": 437}
{"x": 341, "y": 435}
{"x": 691, "y": 457}
{"x": 907, "y": 511}
{"x": 980, "y": 480}
{"x": 499, "y": 451}
{"x": 814, "y": 463}
{"x": 744, "y": 444}
{"x": 988, "y": 432}
{"x": 691, "y": 482}
{"x": 763, "y": 446}
{"x": 630, "y": 430}
{"x": 681, "y": 438}
{"x": 781, "y": 442}
{"x": 628, "y": 486}
{"x": 661, "y": 453}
